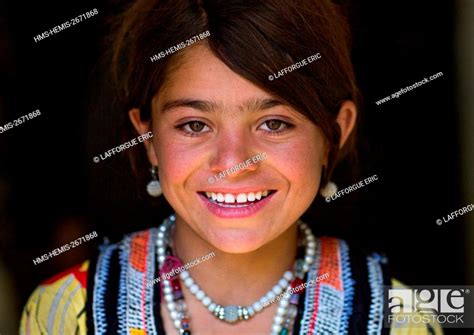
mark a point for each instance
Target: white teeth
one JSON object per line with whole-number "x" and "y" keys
{"x": 241, "y": 197}
{"x": 229, "y": 198}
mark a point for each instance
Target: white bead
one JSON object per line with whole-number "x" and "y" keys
{"x": 277, "y": 289}
{"x": 257, "y": 306}
{"x": 310, "y": 252}
{"x": 172, "y": 217}
{"x": 305, "y": 267}
{"x": 177, "y": 324}
{"x": 309, "y": 260}
{"x": 161, "y": 235}
{"x": 183, "y": 275}
{"x": 212, "y": 307}
{"x": 288, "y": 275}
{"x": 163, "y": 228}
{"x": 276, "y": 328}
{"x": 160, "y": 243}
{"x": 283, "y": 283}
{"x": 206, "y": 301}
{"x": 161, "y": 251}
{"x": 174, "y": 315}
{"x": 311, "y": 244}
{"x": 281, "y": 311}
{"x": 167, "y": 289}
{"x": 194, "y": 288}
{"x": 310, "y": 238}
{"x": 200, "y": 295}
{"x": 161, "y": 259}
{"x": 284, "y": 303}
{"x": 278, "y": 319}
{"x": 169, "y": 298}
{"x": 270, "y": 295}
{"x": 188, "y": 282}
{"x": 171, "y": 306}
{"x": 250, "y": 310}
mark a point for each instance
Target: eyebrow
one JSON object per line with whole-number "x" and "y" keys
{"x": 254, "y": 104}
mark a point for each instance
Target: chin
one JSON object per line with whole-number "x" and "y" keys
{"x": 236, "y": 241}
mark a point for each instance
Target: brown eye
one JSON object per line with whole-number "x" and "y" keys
{"x": 273, "y": 125}
{"x": 196, "y": 126}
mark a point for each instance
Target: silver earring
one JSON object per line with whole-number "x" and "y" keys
{"x": 154, "y": 187}
{"x": 328, "y": 190}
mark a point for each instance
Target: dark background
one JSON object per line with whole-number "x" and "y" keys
{"x": 51, "y": 192}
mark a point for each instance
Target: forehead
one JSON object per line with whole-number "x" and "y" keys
{"x": 199, "y": 74}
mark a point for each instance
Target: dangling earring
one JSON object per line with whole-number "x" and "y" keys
{"x": 329, "y": 189}
{"x": 154, "y": 188}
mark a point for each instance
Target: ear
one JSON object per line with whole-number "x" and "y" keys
{"x": 346, "y": 119}
{"x": 143, "y": 127}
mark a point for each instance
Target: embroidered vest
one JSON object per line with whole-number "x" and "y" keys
{"x": 348, "y": 300}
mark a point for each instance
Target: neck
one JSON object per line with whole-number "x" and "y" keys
{"x": 236, "y": 279}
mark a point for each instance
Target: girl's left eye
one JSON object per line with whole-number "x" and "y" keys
{"x": 194, "y": 127}
{"x": 275, "y": 126}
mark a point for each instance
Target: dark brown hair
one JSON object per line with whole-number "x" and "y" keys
{"x": 255, "y": 39}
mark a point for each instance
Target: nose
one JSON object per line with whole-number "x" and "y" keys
{"x": 233, "y": 149}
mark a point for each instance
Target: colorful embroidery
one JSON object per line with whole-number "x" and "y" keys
{"x": 374, "y": 325}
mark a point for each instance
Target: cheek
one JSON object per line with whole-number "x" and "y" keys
{"x": 173, "y": 162}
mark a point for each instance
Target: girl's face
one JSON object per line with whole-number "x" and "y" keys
{"x": 206, "y": 120}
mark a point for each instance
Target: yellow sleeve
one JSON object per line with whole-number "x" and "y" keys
{"x": 58, "y": 306}
{"x": 411, "y": 328}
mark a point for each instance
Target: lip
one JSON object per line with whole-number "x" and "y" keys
{"x": 237, "y": 212}
{"x": 237, "y": 190}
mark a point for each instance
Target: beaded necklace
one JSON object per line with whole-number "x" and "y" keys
{"x": 284, "y": 318}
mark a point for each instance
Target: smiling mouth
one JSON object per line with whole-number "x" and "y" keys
{"x": 231, "y": 200}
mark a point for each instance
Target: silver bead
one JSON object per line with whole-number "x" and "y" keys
{"x": 250, "y": 311}
{"x": 231, "y": 314}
